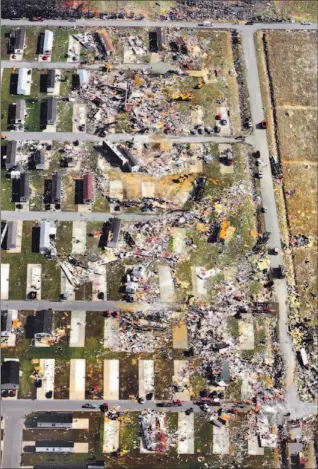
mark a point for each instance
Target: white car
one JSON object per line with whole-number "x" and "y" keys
{"x": 306, "y": 23}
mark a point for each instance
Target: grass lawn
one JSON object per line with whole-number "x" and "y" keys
{"x": 62, "y": 379}
{"x": 37, "y": 187}
{"x": 18, "y": 269}
{"x": 68, "y": 200}
{"x": 60, "y": 44}
{"x": 65, "y": 115}
{"x": 26, "y": 388}
{"x": 100, "y": 204}
{"x": 5, "y": 31}
{"x": 6, "y": 193}
{"x": 33, "y": 119}
{"x": 115, "y": 272}
{"x": 64, "y": 238}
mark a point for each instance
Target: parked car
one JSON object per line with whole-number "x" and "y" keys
{"x": 88, "y": 405}
{"x": 176, "y": 403}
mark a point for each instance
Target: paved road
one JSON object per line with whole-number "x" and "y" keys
{"x": 160, "y": 67}
{"x": 85, "y": 305}
{"x": 150, "y": 24}
{"x": 267, "y": 190}
{"x": 25, "y": 406}
{"x": 74, "y": 216}
{"x": 84, "y": 137}
{"x": 12, "y": 443}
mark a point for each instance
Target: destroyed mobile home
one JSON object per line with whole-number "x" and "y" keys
{"x": 161, "y": 248}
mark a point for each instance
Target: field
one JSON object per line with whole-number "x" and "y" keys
{"x": 297, "y": 9}
{"x": 292, "y": 59}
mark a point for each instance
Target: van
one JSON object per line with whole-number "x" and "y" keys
{"x": 304, "y": 358}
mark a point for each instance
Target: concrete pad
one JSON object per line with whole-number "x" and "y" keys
{"x": 181, "y": 198}
{"x": 197, "y": 116}
{"x": 155, "y": 421}
{"x": 13, "y": 398}
{"x": 27, "y": 443}
{"x": 253, "y": 447}
{"x": 11, "y": 340}
{"x": 167, "y": 294}
{"x": 198, "y": 284}
{"x": 246, "y": 333}
{"x": 74, "y": 49}
{"x": 225, "y": 169}
{"x": 111, "y": 435}
{"x": 181, "y": 378}
{"x": 5, "y": 271}
{"x": 79, "y": 116}
{"x": 146, "y": 372}
{"x": 116, "y": 189}
{"x": 49, "y": 58}
{"x": 111, "y": 330}
{"x": 178, "y": 240}
{"x": 111, "y": 380}
{"x": 18, "y": 57}
{"x": 84, "y": 208}
{"x": 34, "y": 279}
{"x": 246, "y": 388}
{"x": 221, "y": 440}
{"x": 180, "y": 336}
{"x": 50, "y": 128}
{"x": 77, "y": 333}
{"x": 77, "y": 379}
{"x": 47, "y": 371}
{"x": 80, "y": 424}
{"x": 17, "y": 250}
{"x": 67, "y": 288}
{"x": 99, "y": 284}
{"x": 79, "y": 237}
{"x": 80, "y": 447}
{"x": 225, "y": 129}
{"x": 148, "y": 189}
{"x": 185, "y": 433}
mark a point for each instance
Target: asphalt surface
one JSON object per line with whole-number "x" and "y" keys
{"x": 84, "y": 137}
{"x": 159, "y": 67}
{"x": 268, "y": 198}
{"x": 74, "y": 216}
{"x": 84, "y": 305}
{"x": 13, "y": 410}
{"x": 150, "y": 24}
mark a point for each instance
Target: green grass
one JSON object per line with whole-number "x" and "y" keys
{"x": 65, "y": 115}
{"x": 33, "y": 120}
{"x": 26, "y": 388}
{"x": 18, "y": 269}
{"x": 100, "y": 204}
{"x": 6, "y": 193}
{"x": 5, "y": 30}
{"x": 64, "y": 238}
{"x": 37, "y": 186}
{"x": 233, "y": 391}
{"x": 60, "y": 44}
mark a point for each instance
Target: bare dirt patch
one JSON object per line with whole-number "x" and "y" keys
{"x": 293, "y": 66}
{"x": 298, "y": 139}
{"x": 306, "y": 269}
{"x": 302, "y": 205}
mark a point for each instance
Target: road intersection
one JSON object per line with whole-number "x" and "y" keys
{"x": 14, "y": 410}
